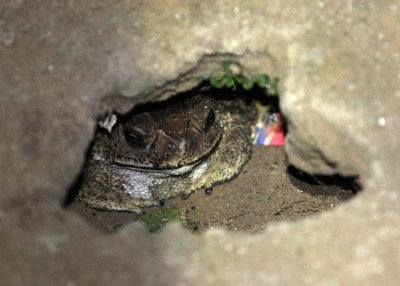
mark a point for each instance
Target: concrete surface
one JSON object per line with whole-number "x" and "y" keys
{"x": 64, "y": 63}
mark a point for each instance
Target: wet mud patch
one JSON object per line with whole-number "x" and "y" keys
{"x": 265, "y": 191}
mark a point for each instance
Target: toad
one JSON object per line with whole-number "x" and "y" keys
{"x": 154, "y": 154}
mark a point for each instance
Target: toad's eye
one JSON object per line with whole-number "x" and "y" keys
{"x": 210, "y": 120}
{"x": 134, "y": 139}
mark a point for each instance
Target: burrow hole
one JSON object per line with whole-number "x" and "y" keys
{"x": 267, "y": 189}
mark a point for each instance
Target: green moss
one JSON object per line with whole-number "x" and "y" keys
{"x": 232, "y": 75}
{"x": 156, "y": 220}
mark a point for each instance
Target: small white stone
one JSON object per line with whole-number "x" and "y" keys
{"x": 381, "y": 121}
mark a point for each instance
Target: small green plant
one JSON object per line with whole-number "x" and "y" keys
{"x": 232, "y": 75}
{"x": 156, "y": 220}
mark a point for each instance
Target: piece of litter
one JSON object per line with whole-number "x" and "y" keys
{"x": 269, "y": 128}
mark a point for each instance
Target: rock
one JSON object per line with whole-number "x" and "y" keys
{"x": 65, "y": 64}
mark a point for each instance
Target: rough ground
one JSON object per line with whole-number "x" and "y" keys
{"x": 64, "y": 63}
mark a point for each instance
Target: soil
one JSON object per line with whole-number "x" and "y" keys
{"x": 266, "y": 190}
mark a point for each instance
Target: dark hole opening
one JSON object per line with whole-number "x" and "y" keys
{"x": 266, "y": 189}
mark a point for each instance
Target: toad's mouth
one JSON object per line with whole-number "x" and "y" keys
{"x": 128, "y": 163}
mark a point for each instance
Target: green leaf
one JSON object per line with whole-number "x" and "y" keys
{"x": 272, "y": 87}
{"x": 262, "y": 80}
{"x": 248, "y": 84}
{"x": 229, "y": 82}
{"x": 218, "y": 80}
{"x": 226, "y": 65}
{"x": 238, "y": 79}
